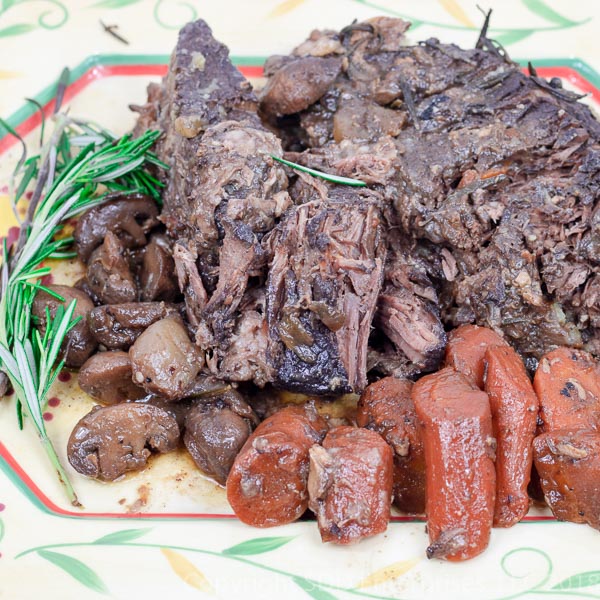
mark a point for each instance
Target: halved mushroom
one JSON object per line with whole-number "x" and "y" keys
{"x": 79, "y": 343}
{"x": 106, "y": 377}
{"x": 129, "y": 216}
{"x": 109, "y": 274}
{"x": 164, "y": 360}
{"x": 215, "y": 432}
{"x": 110, "y": 441}
{"x": 117, "y": 326}
{"x": 157, "y": 275}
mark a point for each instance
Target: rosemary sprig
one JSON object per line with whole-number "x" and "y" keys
{"x": 68, "y": 184}
{"x": 320, "y": 174}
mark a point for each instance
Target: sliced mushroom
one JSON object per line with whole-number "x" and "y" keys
{"x": 106, "y": 377}
{"x": 164, "y": 360}
{"x": 109, "y": 274}
{"x": 157, "y": 275}
{"x": 117, "y": 326}
{"x": 130, "y": 217}
{"x": 112, "y": 440}
{"x": 215, "y": 432}
{"x": 79, "y": 343}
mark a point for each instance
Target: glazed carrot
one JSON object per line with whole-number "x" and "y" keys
{"x": 387, "y": 408}
{"x": 267, "y": 482}
{"x": 350, "y": 484}
{"x": 514, "y": 407}
{"x": 568, "y": 464}
{"x": 466, "y": 349}
{"x": 459, "y": 455}
{"x": 567, "y": 383}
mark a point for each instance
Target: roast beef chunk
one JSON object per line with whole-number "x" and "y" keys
{"x": 407, "y": 308}
{"x": 202, "y": 88}
{"x": 216, "y": 430}
{"x": 112, "y": 440}
{"x": 129, "y": 216}
{"x": 79, "y": 343}
{"x": 164, "y": 360}
{"x": 117, "y": 326}
{"x": 499, "y": 170}
{"x": 224, "y": 191}
{"x": 246, "y": 357}
{"x": 413, "y": 326}
{"x": 322, "y": 290}
{"x": 107, "y": 378}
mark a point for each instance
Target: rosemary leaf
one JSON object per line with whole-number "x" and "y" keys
{"x": 320, "y": 174}
{"x": 66, "y": 186}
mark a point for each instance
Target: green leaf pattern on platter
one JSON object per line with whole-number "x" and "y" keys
{"x": 504, "y": 35}
{"x": 173, "y": 14}
{"x": 76, "y": 569}
{"x": 120, "y": 537}
{"x": 168, "y": 14}
{"x": 537, "y": 561}
{"x": 113, "y": 3}
{"x": 257, "y": 546}
{"x": 313, "y": 589}
{"x": 542, "y": 9}
{"x": 586, "y": 579}
{"x": 18, "y": 29}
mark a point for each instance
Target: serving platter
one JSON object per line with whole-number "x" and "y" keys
{"x": 170, "y": 529}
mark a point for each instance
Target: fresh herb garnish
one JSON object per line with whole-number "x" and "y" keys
{"x": 320, "y": 174}
{"x": 75, "y": 170}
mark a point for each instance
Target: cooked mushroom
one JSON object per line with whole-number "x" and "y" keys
{"x": 157, "y": 275}
{"x": 178, "y": 410}
{"x": 106, "y": 377}
{"x": 117, "y": 326}
{"x": 215, "y": 432}
{"x": 129, "y": 216}
{"x": 112, "y": 440}
{"x": 164, "y": 360}
{"x": 79, "y": 343}
{"x": 109, "y": 274}
{"x": 298, "y": 84}
{"x": 4, "y": 384}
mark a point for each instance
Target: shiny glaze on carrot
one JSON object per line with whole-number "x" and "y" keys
{"x": 514, "y": 407}
{"x": 459, "y": 455}
{"x": 386, "y": 407}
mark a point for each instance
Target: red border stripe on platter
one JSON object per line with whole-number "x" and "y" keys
{"x": 99, "y": 72}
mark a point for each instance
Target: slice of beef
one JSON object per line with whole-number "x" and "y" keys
{"x": 323, "y": 284}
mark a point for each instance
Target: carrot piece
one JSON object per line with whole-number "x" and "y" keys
{"x": 459, "y": 455}
{"x": 387, "y": 408}
{"x": 569, "y": 467}
{"x": 466, "y": 349}
{"x": 567, "y": 383}
{"x": 267, "y": 482}
{"x": 514, "y": 407}
{"x": 350, "y": 484}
